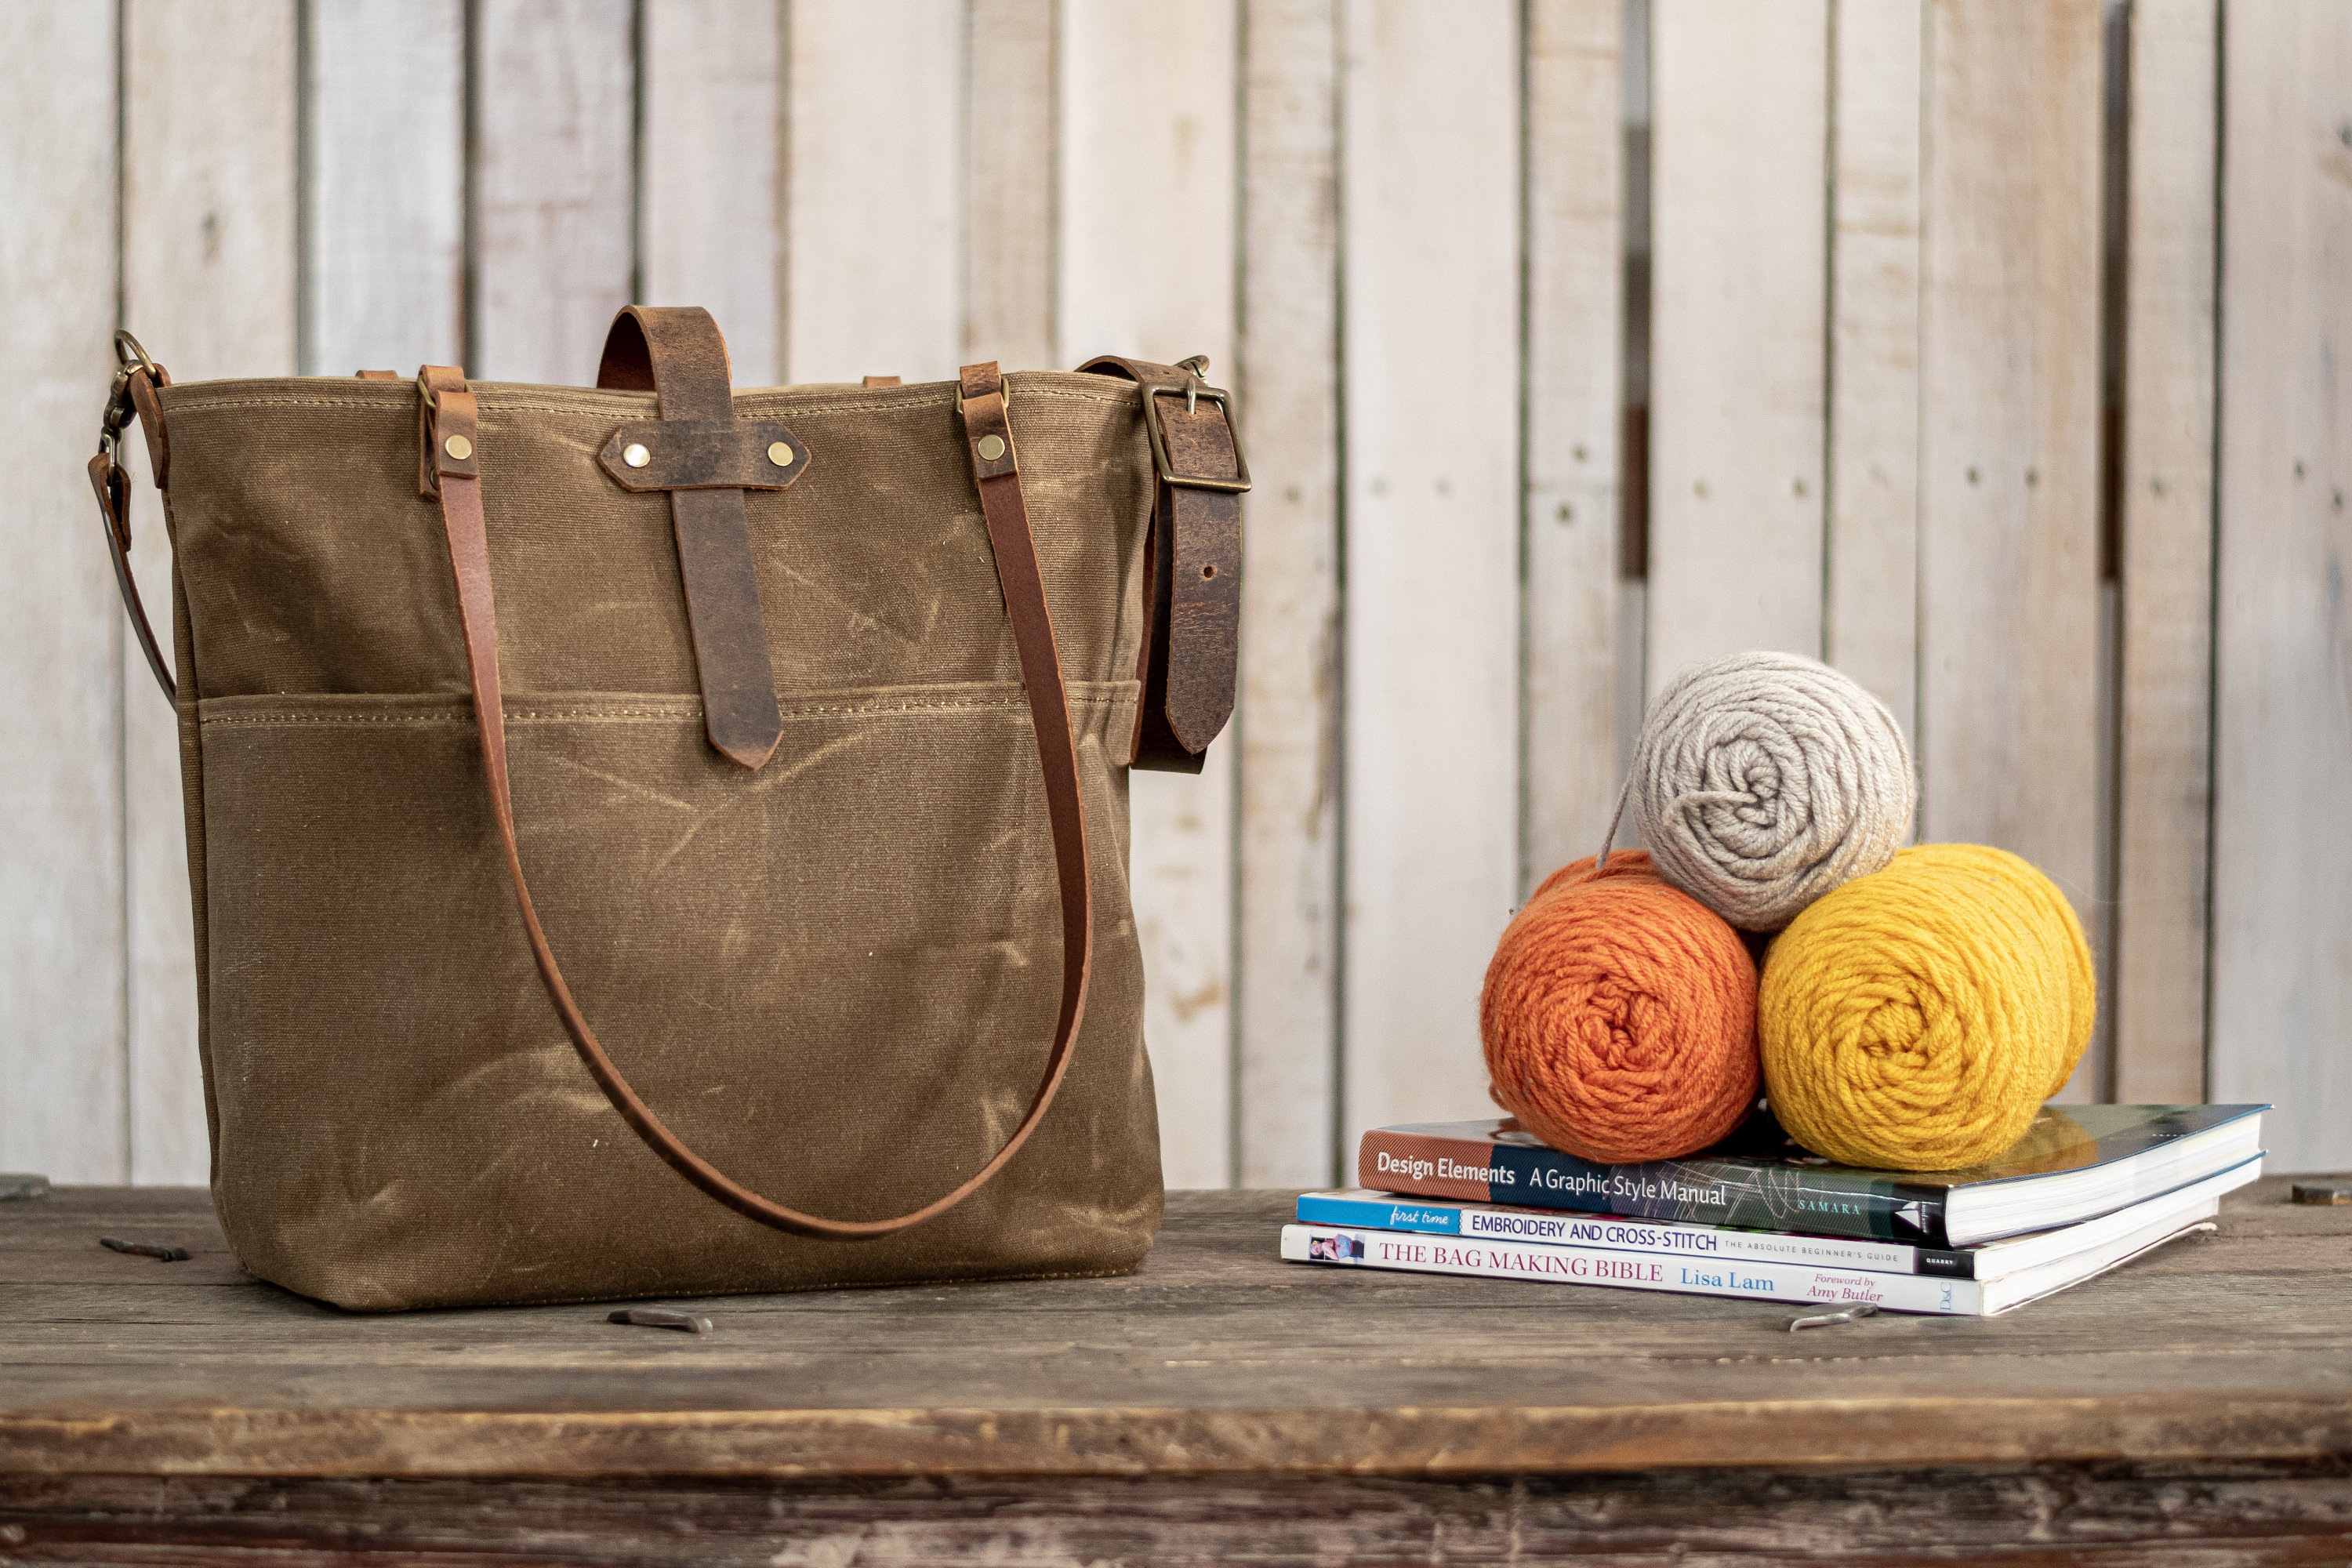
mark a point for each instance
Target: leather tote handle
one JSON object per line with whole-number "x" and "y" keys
{"x": 450, "y": 429}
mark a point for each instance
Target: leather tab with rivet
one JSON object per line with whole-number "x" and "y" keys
{"x": 981, "y": 397}
{"x": 700, "y": 453}
{"x": 448, "y": 427}
{"x": 1190, "y": 660}
{"x": 705, "y": 455}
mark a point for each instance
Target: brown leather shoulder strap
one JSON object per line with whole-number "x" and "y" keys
{"x": 676, "y": 353}
{"x": 137, "y": 380}
{"x": 450, "y": 427}
{"x": 1191, "y": 656}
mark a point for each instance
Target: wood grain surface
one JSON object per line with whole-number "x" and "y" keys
{"x": 712, "y": 131}
{"x": 209, "y": 269}
{"x": 1215, "y": 1358}
{"x": 1575, "y": 284}
{"x": 1286, "y": 375}
{"x": 2009, "y": 522}
{"x": 1870, "y": 626}
{"x": 2164, "y": 764}
{"x": 872, "y": 287}
{"x": 1134, "y": 167}
{"x": 383, "y": 185}
{"x": 1430, "y": 340}
{"x": 61, "y": 1002}
{"x": 1739, "y": 241}
{"x": 2282, "y": 922}
{"x": 554, "y": 185}
{"x": 2113, "y": 1516}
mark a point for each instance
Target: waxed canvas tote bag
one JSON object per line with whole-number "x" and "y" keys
{"x": 661, "y": 841}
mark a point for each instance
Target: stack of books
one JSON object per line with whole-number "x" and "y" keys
{"x": 2089, "y": 1188}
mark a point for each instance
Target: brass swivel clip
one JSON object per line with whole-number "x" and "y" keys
{"x": 1196, "y": 367}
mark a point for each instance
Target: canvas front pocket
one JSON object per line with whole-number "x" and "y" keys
{"x": 835, "y": 978}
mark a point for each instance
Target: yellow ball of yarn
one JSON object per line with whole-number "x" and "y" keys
{"x": 1916, "y": 1019}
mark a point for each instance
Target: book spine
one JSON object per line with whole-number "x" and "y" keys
{"x": 1766, "y": 1197}
{"x": 1657, "y": 1238}
{"x": 1416, "y": 1253}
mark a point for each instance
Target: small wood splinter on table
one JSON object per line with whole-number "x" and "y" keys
{"x": 2322, "y": 1193}
{"x": 1830, "y": 1319}
{"x": 645, "y": 1317}
{"x": 145, "y": 1249}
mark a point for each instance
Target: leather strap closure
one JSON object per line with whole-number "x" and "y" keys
{"x": 873, "y": 381}
{"x": 1190, "y": 656}
{"x": 136, "y": 380}
{"x": 704, "y": 455}
{"x": 1033, "y": 634}
{"x": 676, "y": 353}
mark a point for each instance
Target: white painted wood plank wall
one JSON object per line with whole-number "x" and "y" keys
{"x": 2165, "y": 792}
{"x": 209, "y": 178}
{"x": 1739, "y": 102}
{"x": 1430, "y": 222}
{"x": 2008, "y": 520}
{"x": 2282, "y": 921}
{"x": 63, "y": 1106}
{"x": 1400, "y": 230}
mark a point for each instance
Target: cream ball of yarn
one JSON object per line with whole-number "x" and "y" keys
{"x": 1764, "y": 779}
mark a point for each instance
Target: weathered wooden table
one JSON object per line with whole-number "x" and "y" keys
{"x": 1220, "y": 1405}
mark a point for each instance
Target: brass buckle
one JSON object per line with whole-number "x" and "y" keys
{"x": 129, "y": 357}
{"x": 1192, "y": 390}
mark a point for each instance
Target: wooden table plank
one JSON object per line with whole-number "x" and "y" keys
{"x": 1214, "y": 1358}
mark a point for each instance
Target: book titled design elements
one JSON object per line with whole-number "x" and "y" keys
{"x": 2151, "y": 1224}
{"x": 2075, "y": 1163}
{"x": 1358, "y": 1208}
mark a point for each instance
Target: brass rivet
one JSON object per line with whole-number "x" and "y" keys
{"x": 991, "y": 448}
{"x": 635, "y": 455}
{"x": 780, "y": 454}
{"x": 458, "y": 447}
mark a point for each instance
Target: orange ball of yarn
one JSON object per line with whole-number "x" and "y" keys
{"x": 1619, "y": 1015}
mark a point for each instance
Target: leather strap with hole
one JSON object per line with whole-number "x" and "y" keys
{"x": 1191, "y": 656}
{"x": 132, "y": 397}
{"x": 448, "y": 409}
{"x": 676, "y": 353}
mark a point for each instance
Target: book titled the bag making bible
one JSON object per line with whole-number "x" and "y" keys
{"x": 2075, "y": 1162}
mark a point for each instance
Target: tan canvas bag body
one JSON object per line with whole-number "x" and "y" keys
{"x": 660, "y": 840}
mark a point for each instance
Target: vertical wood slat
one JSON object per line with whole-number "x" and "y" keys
{"x": 209, "y": 178}
{"x": 1431, "y": 341}
{"x": 1737, "y": 371}
{"x": 710, "y": 204}
{"x": 2282, "y": 1004}
{"x": 1870, "y": 624}
{"x": 1288, "y": 725}
{"x": 1011, "y": 205}
{"x": 554, "y": 178}
{"x": 2010, "y": 448}
{"x": 1146, "y": 271}
{"x": 1575, "y": 283}
{"x": 384, "y": 186}
{"x": 61, "y": 890}
{"x": 2165, "y": 788}
{"x": 874, "y": 283}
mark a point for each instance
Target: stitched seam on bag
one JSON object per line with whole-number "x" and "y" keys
{"x": 462, "y": 718}
{"x": 194, "y": 402}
